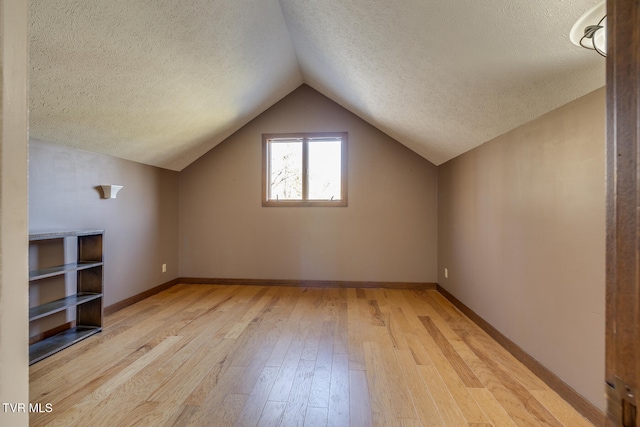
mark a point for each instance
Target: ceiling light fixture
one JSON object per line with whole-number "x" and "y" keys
{"x": 590, "y": 31}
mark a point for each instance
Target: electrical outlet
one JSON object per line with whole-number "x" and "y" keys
{"x": 446, "y": 273}
{"x": 164, "y": 268}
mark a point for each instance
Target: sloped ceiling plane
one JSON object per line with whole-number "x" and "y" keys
{"x": 162, "y": 82}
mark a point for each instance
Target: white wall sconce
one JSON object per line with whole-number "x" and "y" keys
{"x": 110, "y": 191}
{"x": 590, "y": 31}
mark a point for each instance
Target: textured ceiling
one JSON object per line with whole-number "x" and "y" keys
{"x": 162, "y": 82}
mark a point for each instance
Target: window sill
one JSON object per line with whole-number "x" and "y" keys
{"x": 304, "y": 203}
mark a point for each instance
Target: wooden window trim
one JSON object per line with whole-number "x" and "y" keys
{"x": 266, "y": 202}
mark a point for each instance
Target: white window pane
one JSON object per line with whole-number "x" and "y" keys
{"x": 325, "y": 169}
{"x": 285, "y": 170}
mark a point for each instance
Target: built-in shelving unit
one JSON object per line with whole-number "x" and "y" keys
{"x": 89, "y": 286}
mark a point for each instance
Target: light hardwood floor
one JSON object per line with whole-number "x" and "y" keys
{"x": 211, "y": 355}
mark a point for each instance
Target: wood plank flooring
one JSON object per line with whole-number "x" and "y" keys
{"x": 214, "y": 355}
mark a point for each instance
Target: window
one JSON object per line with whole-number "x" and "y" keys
{"x": 306, "y": 169}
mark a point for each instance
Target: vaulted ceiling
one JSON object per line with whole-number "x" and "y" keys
{"x": 162, "y": 82}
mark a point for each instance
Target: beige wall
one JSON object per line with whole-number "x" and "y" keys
{"x": 387, "y": 233}
{"x": 14, "y": 380}
{"x": 522, "y": 233}
{"x": 141, "y": 224}
{"x": 518, "y": 222}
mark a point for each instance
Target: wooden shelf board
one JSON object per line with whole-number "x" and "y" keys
{"x": 45, "y": 235}
{"x": 58, "y": 270}
{"x": 43, "y": 310}
{"x": 51, "y": 345}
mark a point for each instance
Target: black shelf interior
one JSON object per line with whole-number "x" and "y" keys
{"x": 86, "y": 300}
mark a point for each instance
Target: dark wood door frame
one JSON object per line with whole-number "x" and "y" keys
{"x": 623, "y": 220}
